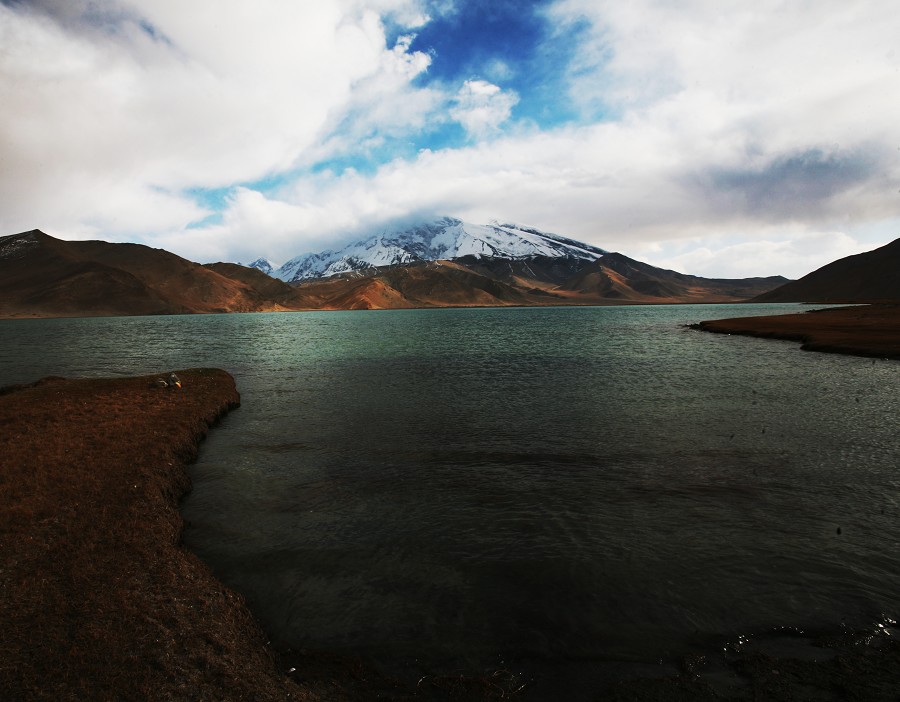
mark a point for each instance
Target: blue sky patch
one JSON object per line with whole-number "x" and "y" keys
{"x": 508, "y": 43}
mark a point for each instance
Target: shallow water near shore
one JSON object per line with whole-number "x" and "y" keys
{"x": 532, "y": 489}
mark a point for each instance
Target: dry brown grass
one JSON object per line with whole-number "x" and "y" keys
{"x": 99, "y": 600}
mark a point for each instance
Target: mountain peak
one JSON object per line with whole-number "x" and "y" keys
{"x": 260, "y": 264}
{"x": 444, "y": 238}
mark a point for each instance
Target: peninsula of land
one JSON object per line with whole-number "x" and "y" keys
{"x": 860, "y": 330}
{"x": 871, "y": 327}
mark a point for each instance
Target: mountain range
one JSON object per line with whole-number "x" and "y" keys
{"x": 44, "y": 276}
{"x": 448, "y": 262}
{"x": 440, "y": 263}
{"x": 539, "y": 280}
{"x": 446, "y": 238}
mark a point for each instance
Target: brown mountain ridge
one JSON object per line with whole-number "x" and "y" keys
{"x": 873, "y": 276}
{"x": 44, "y": 276}
{"x": 613, "y": 279}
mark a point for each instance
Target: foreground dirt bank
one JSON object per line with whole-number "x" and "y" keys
{"x": 869, "y": 330}
{"x": 99, "y": 600}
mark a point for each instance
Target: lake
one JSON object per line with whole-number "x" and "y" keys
{"x": 545, "y": 490}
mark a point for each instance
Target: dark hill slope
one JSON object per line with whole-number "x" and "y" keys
{"x": 873, "y": 276}
{"x": 655, "y": 282}
{"x": 420, "y": 284}
{"x": 40, "y": 275}
{"x": 44, "y": 276}
{"x": 262, "y": 287}
{"x": 616, "y": 278}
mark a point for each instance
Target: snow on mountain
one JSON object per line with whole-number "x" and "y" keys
{"x": 17, "y": 245}
{"x": 263, "y": 264}
{"x": 445, "y": 238}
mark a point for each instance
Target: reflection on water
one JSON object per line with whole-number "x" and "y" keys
{"x": 461, "y": 486}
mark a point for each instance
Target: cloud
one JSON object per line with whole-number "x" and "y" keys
{"x": 481, "y": 107}
{"x": 702, "y": 135}
{"x": 622, "y": 186}
{"x": 791, "y": 251}
{"x": 253, "y": 225}
{"x": 498, "y": 69}
{"x": 773, "y": 53}
{"x": 157, "y": 99}
{"x": 382, "y": 107}
{"x": 791, "y": 184}
{"x": 727, "y": 131}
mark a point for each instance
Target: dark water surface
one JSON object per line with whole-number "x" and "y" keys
{"x": 453, "y": 489}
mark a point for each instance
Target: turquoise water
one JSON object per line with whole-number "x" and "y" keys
{"x": 448, "y": 489}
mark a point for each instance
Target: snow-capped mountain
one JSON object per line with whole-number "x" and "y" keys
{"x": 262, "y": 264}
{"x": 445, "y": 238}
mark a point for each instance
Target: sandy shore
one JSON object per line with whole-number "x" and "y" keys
{"x": 101, "y": 602}
{"x": 866, "y": 330}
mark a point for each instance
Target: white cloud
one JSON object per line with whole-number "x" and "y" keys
{"x": 154, "y": 98}
{"x": 499, "y": 70}
{"x": 383, "y": 105}
{"x": 749, "y": 143}
{"x": 620, "y": 186}
{"x": 481, "y": 107}
{"x": 252, "y": 225}
{"x": 715, "y": 138}
{"x": 791, "y": 251}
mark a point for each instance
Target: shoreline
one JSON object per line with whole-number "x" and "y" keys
{"x": 103, "y": 602}
{"x": 860, "y": 330}
{"x": 558, "y": 303}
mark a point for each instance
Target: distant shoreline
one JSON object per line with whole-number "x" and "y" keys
{"x": 863, "y": 330}
{"x": 562, "y": 304}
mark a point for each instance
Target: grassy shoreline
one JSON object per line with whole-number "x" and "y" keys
{"x": 101, "y": 601}
{"x": 865, "y": 330}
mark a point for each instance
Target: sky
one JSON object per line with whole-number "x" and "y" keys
{"x": 718, "y": 138}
